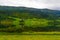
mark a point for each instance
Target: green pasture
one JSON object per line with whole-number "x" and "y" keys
{"x": 29, "y": 37}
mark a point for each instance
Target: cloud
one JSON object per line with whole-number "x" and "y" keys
{"x": 51, "y": 4}
{"x": 27, "y": 3}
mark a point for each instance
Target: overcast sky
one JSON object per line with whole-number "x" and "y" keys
{"x": 51, "y": 4}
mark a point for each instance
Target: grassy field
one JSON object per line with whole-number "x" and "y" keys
{"x": 29, "y": 37}
{"x": 46, "y": 36}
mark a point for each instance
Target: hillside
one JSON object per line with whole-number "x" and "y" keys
{"x": 31, "y": 11}
{"x": 20, "y": 18}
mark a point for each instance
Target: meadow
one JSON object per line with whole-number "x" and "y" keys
{"x": 36, "y": 36}
{"x": 29, "y": 37}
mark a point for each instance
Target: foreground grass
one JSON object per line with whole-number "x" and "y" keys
{"x": 32, "y": 36}
{"x": 29, "y": 37}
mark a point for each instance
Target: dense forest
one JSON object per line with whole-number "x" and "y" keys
{"x": 20, "y": 19}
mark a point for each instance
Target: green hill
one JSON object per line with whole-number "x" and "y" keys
{"x": 28, "y": 19}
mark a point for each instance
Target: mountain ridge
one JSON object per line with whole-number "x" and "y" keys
{"x": 32, "y": 11}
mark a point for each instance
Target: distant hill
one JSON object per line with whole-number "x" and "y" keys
{"x": 44, "y": 13}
